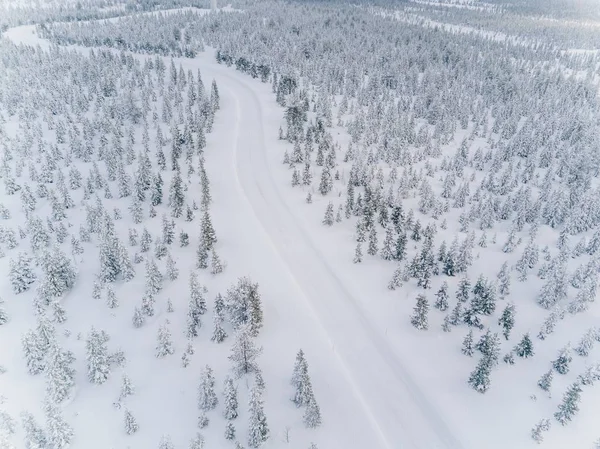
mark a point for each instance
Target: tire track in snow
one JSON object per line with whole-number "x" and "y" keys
{"x": 356, "y": 390}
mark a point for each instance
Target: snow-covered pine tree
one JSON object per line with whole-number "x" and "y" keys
{"x": 164, "y": 342}
{"x": 166, "y": 442}
{"x": 562, "y": 362}
{"x": 127, "y": 388}
{"x": 35, "y": 436}
{"x": 244, "y": 352}
{"x": 258, "y": 429}
{"x": 207, "y": 398}
{"x": 230, "y": 399}
{"x": 570, "y": 404}
{"x": 479, "y": 379}
{"x": 419, "y": 316}
{"x": 138, "y": 318}
{"x": 111, "y": 297}
{"x": 219, "y": 333}
{"x": 207, "y": 231}
{"x": 196, "y": 306}
{"x": 467, "y": 345}
{"x": 441, "y": 302}
{"x": 131, "y": 425}
{"x": 507, "y": 320}
{"x": 244, "y": 306}
{"x": 60, "y": 376}
{"x": 230, "y": 431}
{"x": 98, "y": 365}
{"x": 172, "y": 270}
{"x": 328, "y": 218}
{"x": 176, "y": 195}
{"x": 545, "y": 382}
{"x": 542, "y": 426}
{"x": 215, "y": 262}
{"x": 525, "y": 347}
{"x": 59, "y": 433}
{"x": 21, "y": 275}
{"x": 312, "y": 413}
{"x": 34, "y": 350}
{"x": 154, "y": 278}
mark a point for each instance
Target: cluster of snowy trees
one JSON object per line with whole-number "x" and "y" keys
{"x": 459, "y": 147}
{"x": 160, "y": 33}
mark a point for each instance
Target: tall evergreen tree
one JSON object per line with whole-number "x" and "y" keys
{"x": 258, "y": 429}
{"x": 98, "y": 366}
{"x": 230, "y": 399}
{"x": 419, "y": 317}
{"x": 207, "y": 398}
{"x": 244, "y": 352}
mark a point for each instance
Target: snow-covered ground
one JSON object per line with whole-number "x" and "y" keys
{"x": 380, "y": 383}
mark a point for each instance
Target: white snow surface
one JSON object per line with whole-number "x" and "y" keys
{"x": 380, "y": 383}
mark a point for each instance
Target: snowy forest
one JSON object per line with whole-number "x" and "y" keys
{"x": 301, "y": 224}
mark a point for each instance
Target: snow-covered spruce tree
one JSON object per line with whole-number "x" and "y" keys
{"x": 168, "y": 230}
{"x": 489, "y": 345}
{"x": 207, "y": 231}
{"x": 111, "y": 297}
{"x": 197, "y": 442}
{"x": 60, "y": 376}
{"x": 419, "y": 316}
{"x": 542, "y": 426}
{"x": 545, "y": 382}
{"x": 507, "y": 320}
{"x": 230, "y": 400}
{"x": 244, "y": 352}
{"x": 127, "y": 388}
{"x": 164, "y": 342}
{"x": 570, "y": 404}
{"x": 479, "y": 379}
{"x": 216, "y": 266}
{"x": 483, "y": 300}
{"x": 166, "y": 442}
{"x": 172, "y": 270}
{"x": 34, "y": 350}
{"x": 154, "y": 278}
{"x": 138, "y": 318}
{"x": 258, "y": 429}
{"x": 207, "y": 398}
{"x": 358, "y": 254}
{"x": 196, "y": 306}
{"x": 328, "y": 218}
{"x": 586, "y": 343}
{"x": 230, "y": 431}
{"x": 131, "y": 425}
{"x": 312, "y": 413}
{"x": 562, "y": 362}
{"x": 525, "y": 347}
{"x": 35, "y": 436}
{"x": 441, "y": 302}
{"x": 467, "y": 345}
{"x": 219, "y": 333}
{"x": 463, "y": 291}
{"x": 176, "y": 195}
{"x": 98, "y": 364}
{"x": 21, "y": 275}
{"x": 58, "y": 432}
{"x": 3, "y": 314}
{"x": 243, "y": 305}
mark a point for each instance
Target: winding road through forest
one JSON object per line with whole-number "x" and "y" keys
{"x": 398, "y": 413}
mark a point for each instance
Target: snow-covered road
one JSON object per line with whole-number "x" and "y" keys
{"x": 386, "y": 408}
